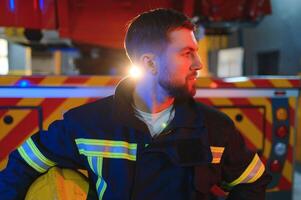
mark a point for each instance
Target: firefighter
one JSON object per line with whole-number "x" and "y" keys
{"x": 150, "y": 140}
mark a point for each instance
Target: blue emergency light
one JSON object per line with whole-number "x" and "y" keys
{"x": 12, "y": 5}
{"x": 23, "y": 83}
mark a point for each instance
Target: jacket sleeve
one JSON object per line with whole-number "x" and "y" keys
{"x": 36, "y": 155}
{"x": 243, "y": 172}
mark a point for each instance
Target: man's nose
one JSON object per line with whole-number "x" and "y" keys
{"x": 197, "y": 63}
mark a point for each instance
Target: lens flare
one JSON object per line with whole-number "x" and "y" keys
{"x": 135, "y": 72}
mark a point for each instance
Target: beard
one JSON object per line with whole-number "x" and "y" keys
{"x": 175, "y": 90}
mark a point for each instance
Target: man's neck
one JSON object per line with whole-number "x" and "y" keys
{"x": 151, "y": 98}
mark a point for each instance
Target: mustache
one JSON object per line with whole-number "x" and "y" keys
{"x": 193, "y": 74}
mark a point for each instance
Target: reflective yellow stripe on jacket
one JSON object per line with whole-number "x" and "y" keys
{"x": 96, "y": 150}
{"x": 31, "y": 154}
{"x": 217, "y": 153}
{"x": 95, "y": 162}
{"x": 107, "y": 148}
{"x": 254, "y": 170}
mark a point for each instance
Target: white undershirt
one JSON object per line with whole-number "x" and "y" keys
{"x": 156, "y": 122}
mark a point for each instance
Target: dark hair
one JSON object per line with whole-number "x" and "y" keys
{"x": 149, "y": 30}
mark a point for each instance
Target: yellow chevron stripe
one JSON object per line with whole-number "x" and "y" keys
{"x": 35, "y": 130}
{"x": 66, "y": 105}
{"x": 53, "y": 80}
{"x": 254, "y": 138}
{"x": 56, "y": 114}
{"x": 203, "y": 82}
{"x": 280, "y": 83}
{"x": 18, "y": 115}
{"x": 221, "y": 101}
{"x": 256, "y": 102}
{"x": 9, "y": 80}
{"x": 288, "y": 168}
{"x": 98, "y": 81}
{"x": 247, "y": 128}
{"x": 30, "y": 102}
{"x": 287, "y": 171}
{"x": 263, "y": 102}
{"x": 268, "y": 148}
{"x": 244, "y": 84}
{"x": 298, "y": 130}
{"x": 292, "y": 135}
{"x": 292, "y": 101}
{"x": 3, "y": 163}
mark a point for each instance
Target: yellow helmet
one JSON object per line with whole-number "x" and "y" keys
{"x": 59, "y": 184}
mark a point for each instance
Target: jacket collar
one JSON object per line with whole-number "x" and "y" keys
{"x": 185, "y": 146}
{"x": 186, "y": 111}
{"x": 123, "y": 111}
{"x": 186, "y": 114}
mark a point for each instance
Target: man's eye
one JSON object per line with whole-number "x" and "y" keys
{"x": 188, "y": 53}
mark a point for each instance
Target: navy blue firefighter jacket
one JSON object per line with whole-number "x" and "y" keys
{"x": 200, "y": 148}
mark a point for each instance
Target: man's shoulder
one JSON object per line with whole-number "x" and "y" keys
{"x": 213, "y": 115}
{"x": 218, "y": 124}
{"x": 97, "y": 107}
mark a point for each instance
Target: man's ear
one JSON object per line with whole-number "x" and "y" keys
{"x": 149, "y": 63}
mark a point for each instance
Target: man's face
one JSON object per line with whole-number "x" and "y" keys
{"x": 179, "y": 64}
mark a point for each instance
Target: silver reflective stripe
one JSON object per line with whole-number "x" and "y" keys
{"x": 107, "y": 148}
{"x": 31, "y": 154}
{"x": 96, "y": 164}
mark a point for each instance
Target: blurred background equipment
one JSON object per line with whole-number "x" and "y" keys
{"x": 86, "y": 36}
